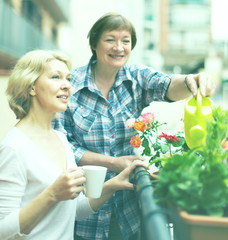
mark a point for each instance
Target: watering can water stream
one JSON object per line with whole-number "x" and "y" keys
{"x": 196, "y": 112}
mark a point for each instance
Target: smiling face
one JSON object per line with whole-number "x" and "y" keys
{"x": 114, "y": 48}
{"x": 52, "y": 89}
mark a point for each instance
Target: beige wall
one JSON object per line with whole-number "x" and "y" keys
{"x": 7, "y": 117}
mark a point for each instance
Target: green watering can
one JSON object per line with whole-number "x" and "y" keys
{"x": 196, "y": 112}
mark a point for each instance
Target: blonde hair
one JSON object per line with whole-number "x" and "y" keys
{"x": 24, "y": 75}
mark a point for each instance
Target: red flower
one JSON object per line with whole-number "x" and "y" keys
{"x": 136, "y": 141}
{"x": 170, "y": 138}
{"x": 140, "y": 126}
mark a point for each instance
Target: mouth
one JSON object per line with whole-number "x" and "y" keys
{"x": 116, "y": 56}
{"x": 65, "y": 97}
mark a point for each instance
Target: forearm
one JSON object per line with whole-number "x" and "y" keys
{"x": 120, "y": 182}
{"x": 31, "y": 214}
{"x": 116, "y": 164}
{"x": 107, "y": 192}
{"x": 92, "y": 158}
{"x": 177, "y": 89}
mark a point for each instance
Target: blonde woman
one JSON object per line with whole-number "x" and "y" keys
{"x": 40, "y": 184}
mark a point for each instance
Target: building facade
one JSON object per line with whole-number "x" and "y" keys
{"x": 24, "y": 26}
{"x": 185, "y": 34}
{"x": 27, "y": 25}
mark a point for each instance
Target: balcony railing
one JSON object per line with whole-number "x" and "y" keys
{"x": 17, "y": 35}
{"x": 154, "y": 219}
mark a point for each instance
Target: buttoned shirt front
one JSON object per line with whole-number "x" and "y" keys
{"x": 92, "y": 122}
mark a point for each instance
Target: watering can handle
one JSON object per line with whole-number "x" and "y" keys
{"x": 199, "y": 98}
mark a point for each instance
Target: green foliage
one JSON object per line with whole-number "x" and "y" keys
{"x": 197, "y": 180}
{"x": 216, "y": 132}
{"x": 156, "y": 147}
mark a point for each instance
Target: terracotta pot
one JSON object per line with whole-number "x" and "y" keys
{"x": 200, "y": 227}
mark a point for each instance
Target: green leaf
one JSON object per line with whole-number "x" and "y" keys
{"x": 164, "y": 148}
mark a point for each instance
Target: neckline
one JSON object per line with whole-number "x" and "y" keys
{"x": 42, "y": 152}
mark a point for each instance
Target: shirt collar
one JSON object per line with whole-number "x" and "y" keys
{"x": 87, "y": 80}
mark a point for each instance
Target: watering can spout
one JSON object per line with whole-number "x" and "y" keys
{"x": 196, "y": 112}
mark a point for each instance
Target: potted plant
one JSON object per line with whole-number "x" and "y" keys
{"x": 196, "y": 183}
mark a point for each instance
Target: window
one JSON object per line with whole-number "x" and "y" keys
{"x": 189, "y": 1}
{"x": 31, "y": 11}
{"x": 9, "y": 2}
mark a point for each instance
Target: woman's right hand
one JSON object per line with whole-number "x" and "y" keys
{"x": 119, "y": 182}
{"x": 68, "y": 185}
{"x": 122, "y": 180}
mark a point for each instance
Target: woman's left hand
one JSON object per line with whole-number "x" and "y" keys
{"x": 201, "y": 81}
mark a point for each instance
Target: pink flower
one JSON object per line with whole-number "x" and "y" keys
{"x": 130, "y": 123}
{"x": 148, "y": 118}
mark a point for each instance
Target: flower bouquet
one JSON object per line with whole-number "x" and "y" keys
{"x": 152, "y": 143}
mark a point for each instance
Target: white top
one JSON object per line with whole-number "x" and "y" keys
{"x": 25, "y": 171}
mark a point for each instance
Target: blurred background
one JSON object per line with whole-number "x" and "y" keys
{"x": 174, "y": 36}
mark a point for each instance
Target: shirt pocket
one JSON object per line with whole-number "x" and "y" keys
{"x": 130, "y": 112}
{"x": 84, "y": 119}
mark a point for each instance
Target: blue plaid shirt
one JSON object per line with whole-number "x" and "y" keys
{"x": 94, "y": 123}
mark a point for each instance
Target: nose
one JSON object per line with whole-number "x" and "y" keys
{"x": 118, "y": 46}
{"x": 66, "y": 84}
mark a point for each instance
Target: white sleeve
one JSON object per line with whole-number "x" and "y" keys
{"x": 12, "y": 187}
{"x": 83, "y": 208}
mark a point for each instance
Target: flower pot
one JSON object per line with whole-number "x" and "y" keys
{"x": 200, "y": 227}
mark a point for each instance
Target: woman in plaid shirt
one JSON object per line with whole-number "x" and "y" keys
{"x": 106, "y": 92}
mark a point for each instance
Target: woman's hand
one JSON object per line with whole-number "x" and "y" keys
{"x": 122, "y": 180}
{"x": 120, "y": 163}
{"x": 182, "y": 86}
{"x": 68, "y": 185}
{"x": 119, "y": 182}
{"x": 116, "y": 164}
{"x": 201, "y": 81}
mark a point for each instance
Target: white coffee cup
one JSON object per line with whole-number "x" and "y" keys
{"x": 95, "y": 176}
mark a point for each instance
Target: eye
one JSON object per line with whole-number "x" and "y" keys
{"x": 55, "y": 77}
{"x": 69, "y": 79}
{"x": 126, "y": 41}
{"x": 109, "y": 40}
